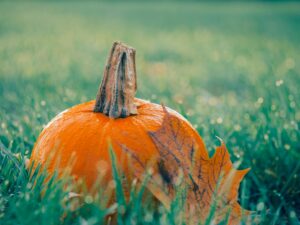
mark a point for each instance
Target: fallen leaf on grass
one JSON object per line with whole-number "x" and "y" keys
{"x": 211, "y": 184}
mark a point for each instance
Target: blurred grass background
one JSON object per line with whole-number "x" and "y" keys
{"x": 231, "y": 68}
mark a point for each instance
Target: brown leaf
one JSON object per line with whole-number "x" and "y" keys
{"x": 184, "y": 164}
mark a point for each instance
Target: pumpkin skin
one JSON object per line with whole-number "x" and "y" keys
{"x": 85, "y": 136}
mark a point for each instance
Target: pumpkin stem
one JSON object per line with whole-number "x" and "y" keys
{"x": 115, "y": 97}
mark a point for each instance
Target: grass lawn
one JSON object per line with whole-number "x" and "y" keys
{"x": 232, "y": 69}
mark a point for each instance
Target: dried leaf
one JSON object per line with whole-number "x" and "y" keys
{"x": 210, "y": 184}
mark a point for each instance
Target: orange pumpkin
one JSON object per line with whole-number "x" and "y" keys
{"x": 79, "y": 138}
{"x": 141, "y": 134}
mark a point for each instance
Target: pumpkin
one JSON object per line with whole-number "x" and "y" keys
{"x": 142, "y": 135}
{"x": 84, "y": 133}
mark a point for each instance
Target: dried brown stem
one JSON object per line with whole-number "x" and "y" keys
{"x": 115, "y": 97}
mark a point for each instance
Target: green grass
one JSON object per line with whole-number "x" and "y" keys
{"x": 231, "y": 69}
